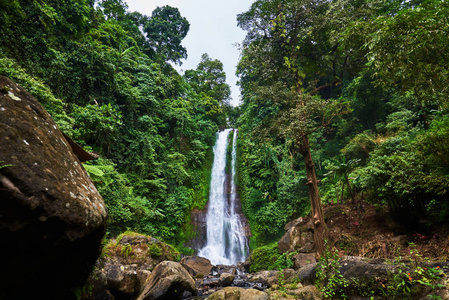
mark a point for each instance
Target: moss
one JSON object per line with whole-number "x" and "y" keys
{"x": 154, "y": 251}
{"x": 264, "y": 258}
{"x": 4, "y": 89}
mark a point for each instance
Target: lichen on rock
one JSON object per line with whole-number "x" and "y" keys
{"x": 53, "y": 238}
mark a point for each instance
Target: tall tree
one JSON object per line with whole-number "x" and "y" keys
{"x": 284, "y": 63}
{"x": 209, "y": 78}
{"x": 113, "y": 9}
{"x": 165, "y": 31}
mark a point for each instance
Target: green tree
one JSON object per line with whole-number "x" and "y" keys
{"x": 209, "y": 78}
{"x": 113, "y": 9}
{"x": 409, "y": 49}
{"x": 284, "y": 64}
{"x": 165, "y": 30}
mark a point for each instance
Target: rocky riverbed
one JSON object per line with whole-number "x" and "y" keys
{"x": 140, "y": 267}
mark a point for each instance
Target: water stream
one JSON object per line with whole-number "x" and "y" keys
{"x": 226, "y": 243}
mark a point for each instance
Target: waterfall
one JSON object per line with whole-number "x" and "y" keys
{"x": 226, "y": 240}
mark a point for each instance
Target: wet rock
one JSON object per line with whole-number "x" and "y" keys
{"x": 169, "y": 280}
{"x": 220, "y": 269}
{"x": 211, "y": 282}
{"x": 237, "y": 293}
{"x": 52, "y": 218}
{"x": 199, "y": 225}
{"x": 196, "y": 265}
{"x": 139, "y": 239}
{"x": 246, "y": 264}
{"x": 226, "y": 279}
{"x": 264, "y": 278}
{"x": 239, "y": 282}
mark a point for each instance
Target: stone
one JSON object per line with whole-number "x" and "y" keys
{"x": 298, "y": 236}
{"x": 123, "y": 281}
{"x": 246, "y": 264}
{"x": 297, "y": 222}
{"x": 363, "y": 270}
{"x": 220, "y": 269}
{"x": 52, "y": 218}
{"x": 226, "y": 279}
{"x": 307, "y": 274}
{"x": 281, "y": 295}
{"x": 308, "y": 292}
{"x": 307, "y": 248}
{"x": 288, "y": 274}
{"x": 169, "y": 280}
{"x": 198, "y": 222}
{"x": 211, "y": 282}
{"x": 97, "y": 283}
{"x": 264, "y": 278}
{"x": 196, "y": 265}
{"x": 237, "y": 293}
{"x": 303, "y": 259}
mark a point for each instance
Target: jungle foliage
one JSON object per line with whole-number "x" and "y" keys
{"x": 377, "y": 115}
{"x": 103, "y": 73}
{"x": 360, "y": 85}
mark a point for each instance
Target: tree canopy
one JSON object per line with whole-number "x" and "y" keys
{"x": 355, "y": 81}
{"x": 103, "y": 74}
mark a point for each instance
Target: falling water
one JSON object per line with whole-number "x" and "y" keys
{"x": 226, "y": 240}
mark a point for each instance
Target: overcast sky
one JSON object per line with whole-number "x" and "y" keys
{"x": 213, "y": 30}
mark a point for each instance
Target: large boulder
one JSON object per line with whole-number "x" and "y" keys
{"x": 307, "y": 274}
{"x": 126, "y": 265}
{"x": 226, "y": 279}
{"x": 196, "y": 265}
{"x": 264, "y": 278}
{"x": 309, "y": 292}
{"x": 124, "y": 281}
{"x": 303, "y": 259}
{"x": 299, "y": 237}
{"x": 52, "y": 219}
{"x": 169, "y": 280}
{"x": 237, "y": 293}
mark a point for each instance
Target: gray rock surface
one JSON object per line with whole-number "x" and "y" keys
{"x": 169, "y": 280}
{"x": 237, "y": 293}
{"x": 226, "y": 279}
{"x": 52, "y": 218}
{"x": 196, "y": 265}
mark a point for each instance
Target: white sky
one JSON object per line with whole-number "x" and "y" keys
{"x": 213, "y": 30}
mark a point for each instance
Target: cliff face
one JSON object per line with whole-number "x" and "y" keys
{"x": 198, "y": 221}
{"x": 52, "y": 218}
{"x": 199, "y": 225}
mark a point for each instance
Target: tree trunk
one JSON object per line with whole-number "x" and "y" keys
{"x": 319, "y": 226}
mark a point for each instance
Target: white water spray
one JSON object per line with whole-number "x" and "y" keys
{"x": 226, "y": 241}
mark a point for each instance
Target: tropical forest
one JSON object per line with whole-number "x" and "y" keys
{"x": 329, "y": 179}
